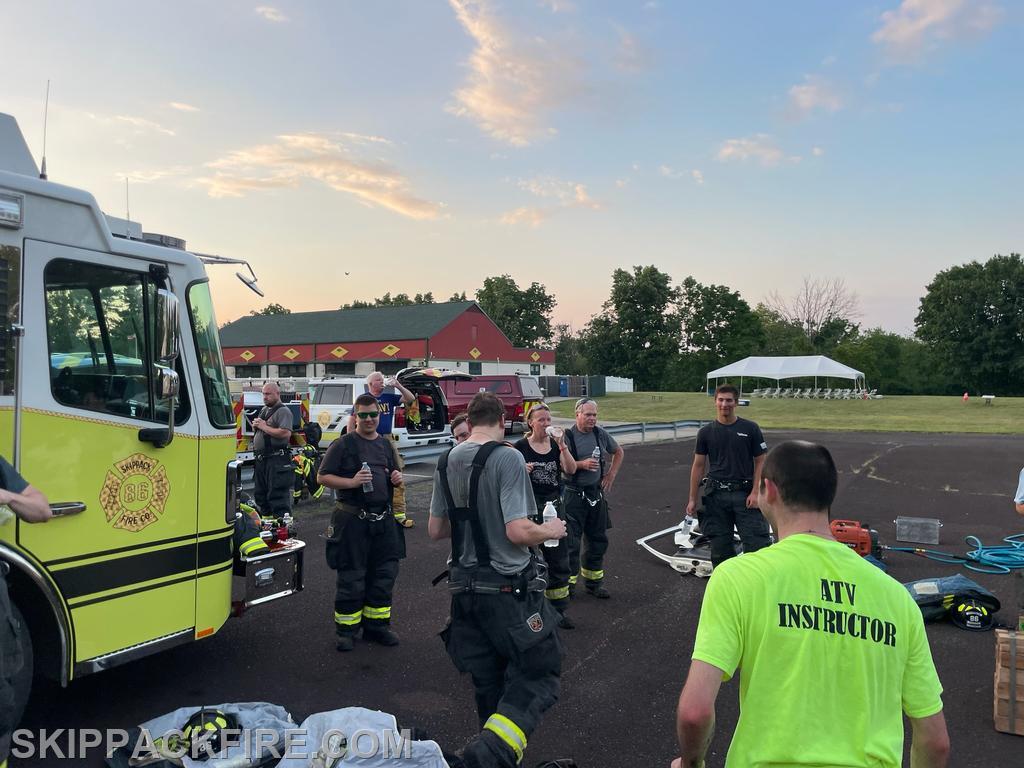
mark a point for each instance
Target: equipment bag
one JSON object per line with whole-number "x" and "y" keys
{"x": 936, "y": 597}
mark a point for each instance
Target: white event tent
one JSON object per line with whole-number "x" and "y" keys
{"x": 779, "y": 368}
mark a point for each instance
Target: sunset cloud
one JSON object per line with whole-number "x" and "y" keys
{"x": 513, "y": 81}
{"x": 182, "y": 107}
{"x": 294, "y": 158}
{"x": 813, "y": 94}
{"x": 271, "y": 14}
{"x": 759, "y": 148}
{"x": 920, "y": 25}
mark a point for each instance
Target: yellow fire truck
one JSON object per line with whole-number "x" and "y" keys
{"x": 114, "y": 403}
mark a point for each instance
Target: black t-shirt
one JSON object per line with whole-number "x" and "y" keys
{"x": 377, "y": 453}
{"x": 731, "y": 448}
{"x": 546, "y": 475}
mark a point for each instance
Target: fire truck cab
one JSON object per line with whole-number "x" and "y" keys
{"x": 115, "y": 404}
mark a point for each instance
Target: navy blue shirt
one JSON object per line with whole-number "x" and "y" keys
{"x": 730, "y": 448}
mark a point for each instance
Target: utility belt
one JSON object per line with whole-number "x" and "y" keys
{"x": 275, "y": 452}
{"x": 592, "y": 494}
{"x": 711, "y": 485}
{"x": 374, "y": 513}
{"x": 487, "y": 581}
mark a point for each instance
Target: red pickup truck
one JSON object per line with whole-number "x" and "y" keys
{"x": 517, "y": 393}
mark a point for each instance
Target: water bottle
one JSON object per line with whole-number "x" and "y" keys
{"x": 554, "y": 432}
{"x": 368, "y": 485}
{"x": 550, "y": 513}
{"x": 596, "y": 456}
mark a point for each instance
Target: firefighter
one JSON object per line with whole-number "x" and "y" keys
{"x": 305, "y": 462}
{"x": 31, "y": 506}
{"x": 502, "y": 629}
{"x": 586, "y": 507}
{"x": 273, "y": 470}
{"x": 364, "y": 541}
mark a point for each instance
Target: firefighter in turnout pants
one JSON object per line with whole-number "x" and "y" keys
{"x": 586, "y": 507}
{"x": 273, "y": 470}
{"x": 502, "y": 629}
{"x": 364, "y": 541}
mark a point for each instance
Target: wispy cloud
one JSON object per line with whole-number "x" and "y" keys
{"x": 293, "y": 158}
{"x": 565, "y": 194}
{"x": 817, "y": 151}
{"x": 140, "y": 124}
{"x": 813, "y": 94}
{"x": 182, "y": 106}
{"x": 760, "y": 148}
{"x": 513, "y": 81}
{"x": 558, "y": 6}
{"x": 669, "y": 172}
{"x": 631, "y": 55}
{"x": 697, "y": 176}
{"x": 270, "y": 13}
{"x": 921, "y": 25}
{"x": 151, "y": 175}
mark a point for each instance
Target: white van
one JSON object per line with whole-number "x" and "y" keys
{"x": 331, "y": 401}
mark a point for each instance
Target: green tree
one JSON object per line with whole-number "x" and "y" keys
{"x": 272, "y": 309}
{"x": 824, "y": 309}
{"x": 781, "y": 336}
{"x": 524, "y": 315}
{"x": 893, "y": 364}
{"x": 569, "y": 357}
{"x": 458, "y": 297}
{"x": 637, "y": 333}
{"x": 716, "y": 327}
{"x": 972, "y": 318}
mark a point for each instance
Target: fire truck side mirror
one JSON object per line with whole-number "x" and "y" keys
{"x": 167, "y": 383}
{"x": 167, "y": 333}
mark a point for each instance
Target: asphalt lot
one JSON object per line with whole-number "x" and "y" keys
{"x": 626, "y": 661}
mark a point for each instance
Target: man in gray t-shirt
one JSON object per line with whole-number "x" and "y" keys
{"x": 598, "y": 458}
{"x": 502, "y": 629}
{"x": 273, "y": 471}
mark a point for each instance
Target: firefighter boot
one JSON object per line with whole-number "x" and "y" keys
{"x": 380, "y": 635}
{"x": 596, "y": 588}
{"x": 345, "y": 641}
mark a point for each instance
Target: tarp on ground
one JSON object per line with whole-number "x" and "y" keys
{"x": 790, "y": 367}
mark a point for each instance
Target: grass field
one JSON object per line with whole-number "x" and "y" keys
{"x": 890, "y": 414}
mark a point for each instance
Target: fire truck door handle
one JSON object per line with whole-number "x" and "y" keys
{"x": 65, "y": 508}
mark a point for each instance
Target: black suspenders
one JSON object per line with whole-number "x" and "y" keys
{"x": 459, "y": 516}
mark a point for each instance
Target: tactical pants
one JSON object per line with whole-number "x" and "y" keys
{"x": 557, "y": 559}
{"x": 365, "y": 554}
{"x": 11, "y": 662}
{"x": 587, "y": 525}
{"x": 511, "y": 649}
{"x": 724, "y": 509}
{"x": 274, "y": 479}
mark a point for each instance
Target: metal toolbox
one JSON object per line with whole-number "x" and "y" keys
{"x": 920, "y": 530}
{"x": 273, "y": 575}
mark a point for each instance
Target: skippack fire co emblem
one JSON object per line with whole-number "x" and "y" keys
{"x": 134, "y": 492}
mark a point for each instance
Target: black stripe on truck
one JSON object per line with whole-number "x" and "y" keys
{"x": 115, "y": 573}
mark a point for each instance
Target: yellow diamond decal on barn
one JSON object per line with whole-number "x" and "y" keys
{"x": 474, "y": 353}
{"x": 389, "y": 350}
{"x": 291, "y": 354}
{"x": 247, "y": 355}
{"x": 339, "y": 351}
{"x": 535, "y": 357}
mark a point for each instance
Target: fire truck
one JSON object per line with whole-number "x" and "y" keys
{"x": 115, "y": 404}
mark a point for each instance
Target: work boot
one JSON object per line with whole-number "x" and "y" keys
{"x": 381, "y": 636}
{"x": 565, "y": 622}
{"x": 344, "y": 643}
{"x": 572, "y": 591}
{"x": 596, "y": 588}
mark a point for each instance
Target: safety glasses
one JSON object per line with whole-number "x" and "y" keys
{"x": 367, "y": 415}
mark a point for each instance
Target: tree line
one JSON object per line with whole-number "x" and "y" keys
{"x": 969, "y": 329}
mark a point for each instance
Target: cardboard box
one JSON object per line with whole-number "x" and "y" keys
{"x": 1008, "y": 684}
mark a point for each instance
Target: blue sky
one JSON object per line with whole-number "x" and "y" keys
{"x": 423, "y": 146}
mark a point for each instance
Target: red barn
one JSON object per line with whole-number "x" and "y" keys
{"x": 455, "y": 335}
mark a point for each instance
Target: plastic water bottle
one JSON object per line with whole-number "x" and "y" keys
{"x": 596, "y": 456}
{"x": 550, "y": 513}
{"x": 554, "y": 432}
{"x": 368, "y": 485}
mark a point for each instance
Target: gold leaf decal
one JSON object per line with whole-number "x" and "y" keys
{"x": 535, "y": 357}
{"x": 135, "y": 492}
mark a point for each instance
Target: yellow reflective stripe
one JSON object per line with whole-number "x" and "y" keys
{"x": 318, "y": 492}
{"x": 558, "y": 593}
{"x": 399, "y": 516}
{"x": 347, "y": 619}
{"x": 573, "y": 578}
{"x": 371, "y": 612}
{"x": 508, "y": 732}
{"x": 592, "y": 575}
{"x": 251, "y": 545}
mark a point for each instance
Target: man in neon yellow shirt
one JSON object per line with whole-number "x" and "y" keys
{"x": 831, "y": 650}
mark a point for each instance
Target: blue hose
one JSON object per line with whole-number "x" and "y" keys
{"x": 981, "y": 559}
